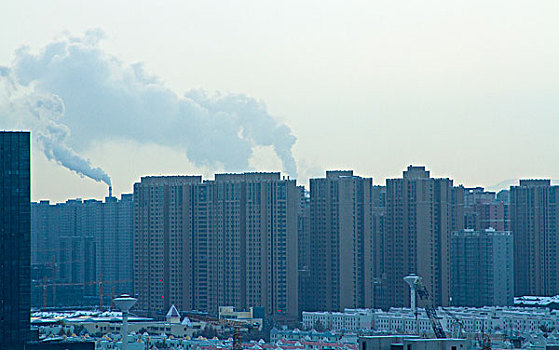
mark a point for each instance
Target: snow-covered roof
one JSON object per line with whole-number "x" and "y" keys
{"x": 536, "y": 300}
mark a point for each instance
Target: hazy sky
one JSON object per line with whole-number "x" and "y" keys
{"x": 468, "y": 88}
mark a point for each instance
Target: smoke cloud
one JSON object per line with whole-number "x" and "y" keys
{"x": 24, "y": 108}
{"x": 72, "y": 94}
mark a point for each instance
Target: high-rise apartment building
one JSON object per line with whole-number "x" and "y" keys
{"x": 421, "y": 213}
{"x": 504, "y": 196}
{"x": 269, "y": 241}
{"x": 230, "y": 241}
{"x": 15, "y": 229}
{"x": 377, "y": 247}
{"x": 482, "y": 210}
{"x": 62, "y": 253}
{"x": 304, "y": 249}
{"x": 340, "y": 241}
{"x": 163, "y": 230}
{"x": 114, "y": 249}
{"x": 79, "y": 246}
{"x": 482, "y": 268}
{"x": 245, "y": 243}
{"x": 534, "y": 215}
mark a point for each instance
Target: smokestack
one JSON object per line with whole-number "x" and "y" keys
{"x": 110, "y": 191}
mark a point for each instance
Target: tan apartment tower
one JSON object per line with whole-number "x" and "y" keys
{"x": 534, "y": 216}
{"x": 232, "y": 241}
{"x": 260, "y": 211}
{"x": 340, "y": 241}
{"x": 421, "y": 213}
{"x": 163, "y": 231}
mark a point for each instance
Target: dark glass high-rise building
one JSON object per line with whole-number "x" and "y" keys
{"x": 15, "y": 228}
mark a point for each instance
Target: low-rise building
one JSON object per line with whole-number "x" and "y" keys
{"x": 406, "y": 342}
{"x": 297, "y": 335}
{"x": 95, "y": 323}
{"x": 455, "y": 320}
{"x": 538, "y": 301}
{"x": 349, "y": 320}
{"x": 252, "y": 316}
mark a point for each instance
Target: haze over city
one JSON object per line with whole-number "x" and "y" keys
{"x": 289, "y": 175}
{"x": 468, "y": 89}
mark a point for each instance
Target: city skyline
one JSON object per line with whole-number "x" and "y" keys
{"x": 103, "y": 191}
{"x": 466, "y": 89}
{"x": 355, "y": 242}
{"x": 279, "y": 175}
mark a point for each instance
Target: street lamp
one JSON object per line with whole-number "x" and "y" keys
{"x": 124, "y": 303}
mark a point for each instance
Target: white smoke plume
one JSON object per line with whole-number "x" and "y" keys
{"x": 72, "y": 94}
{"x": 23, "y": 107}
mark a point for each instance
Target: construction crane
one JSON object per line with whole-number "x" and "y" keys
{"x": 236, "y": 325}
{"x": 423, "y": 294}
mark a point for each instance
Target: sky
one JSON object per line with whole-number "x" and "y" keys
{"x": 131, "y": 88}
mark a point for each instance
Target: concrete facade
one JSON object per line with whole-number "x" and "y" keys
{"x": 534, "y": 214}
{"x": 341, "y": 247}
{"x": 79, "y": 245}
{"x": 456, "y": 321}
{"x": 421, "y": 213}
{"x": 348, "y": 320}
{"x": 510, "y": 320}
{"x": 230, "y": 241}
{"x": 482, "y": 210}
{"x": 162, "y": 242}
{"x": 304, "y": 249}
{"x": 378, "y": 257}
